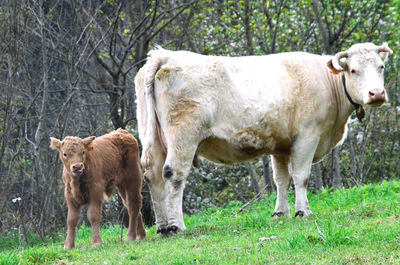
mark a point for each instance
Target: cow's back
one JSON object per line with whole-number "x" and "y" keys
{"x": 251, "y": 105}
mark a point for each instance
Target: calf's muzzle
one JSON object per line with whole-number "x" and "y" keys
{"x": 78, "y": 168}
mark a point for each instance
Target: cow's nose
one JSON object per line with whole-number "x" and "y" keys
{"x": 77, "y": 167}
{"x": 377, "y": 94}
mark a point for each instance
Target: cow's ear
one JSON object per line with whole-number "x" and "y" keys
{"x": 337, "y": 62}
{"x": 384, "y": 51}
{"x": 333, "y": 69}
{"x": 55, "y": 143}
{"x": 88, "y": 142}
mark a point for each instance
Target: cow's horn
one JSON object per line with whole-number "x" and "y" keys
{"x": 384, "y": 48}
{"x": 336, "y": 60}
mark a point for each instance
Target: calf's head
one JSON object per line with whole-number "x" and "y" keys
{"x": 73, "y": 152}
{"x": 362, "y": 65}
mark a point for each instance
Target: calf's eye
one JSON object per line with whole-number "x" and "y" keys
{"x": 353, "y": 71}
{"x": 65, "y": 155}
{"x": 83, "y": 152}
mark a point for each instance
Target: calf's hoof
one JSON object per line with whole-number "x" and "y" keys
{"x": 96, "y": 243}
{"x": 141, "y": 234}
{"x": 140, "y": 237}
{"x": 130, "y": 237}
{"x": 69, "y": 246}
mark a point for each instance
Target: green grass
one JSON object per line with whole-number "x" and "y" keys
{"x": 356, "y": 226}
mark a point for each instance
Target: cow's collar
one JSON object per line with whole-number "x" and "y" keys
{"x": 360, "y": 113}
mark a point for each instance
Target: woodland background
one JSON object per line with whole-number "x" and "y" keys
{"x": 67, "y": 68}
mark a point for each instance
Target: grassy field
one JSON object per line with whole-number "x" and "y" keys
{"x": 356, "y": 226}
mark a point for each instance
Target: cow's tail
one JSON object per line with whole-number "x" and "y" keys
{"x": 146, "y": 104}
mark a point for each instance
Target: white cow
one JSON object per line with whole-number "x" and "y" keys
{"x": 292, "y": 106}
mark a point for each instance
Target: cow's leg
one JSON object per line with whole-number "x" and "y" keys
{"x": 94, "y": 217}
{"x": 176, "y": 169}
{"x": 300, "y": 162}
{"x": 72, "y": 220}
{"x": 280, "y": 165}
{"x": 158, "y": 190}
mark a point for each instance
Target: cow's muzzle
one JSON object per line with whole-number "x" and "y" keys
{"x": 77, "y": 169}
{"x": 377, "y": 97}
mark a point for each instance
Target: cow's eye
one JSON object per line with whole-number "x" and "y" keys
{"x": 65, "y": 155}
{"x": 382, "y": 67}
{"x": 353, "y": 71}
{"x": 83, "y": 152}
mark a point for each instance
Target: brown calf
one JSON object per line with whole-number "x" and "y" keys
{"x": 93, "y": 167}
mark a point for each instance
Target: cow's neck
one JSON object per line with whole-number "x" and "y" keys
{"x": 360, "y": 113}
{"x": 344, "y": 108}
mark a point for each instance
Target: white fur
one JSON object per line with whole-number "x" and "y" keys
{"x": 228, "y": 110}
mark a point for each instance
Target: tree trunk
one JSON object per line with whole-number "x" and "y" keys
{"x": 147, "y": 211}
{"x": 267, "y": 174}
{"x": 254, "y": 181}
{"x": 335, "y": 173}
{"x": 248, "y": 31}
{"x": 353, "y": 164}
{"x": 318, "y": 177}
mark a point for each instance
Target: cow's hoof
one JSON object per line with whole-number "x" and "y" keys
{"x": 170, "y": 231}
{"x": 278, "y": 214}
{"x": 165, "y": 232}
{"x": 299, "y": 213}
{"x": 173, "y": 229}
{"x": 303, "y": 213}
{"x": 162, "y": 230}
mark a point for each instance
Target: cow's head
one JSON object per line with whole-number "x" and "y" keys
{"x": 362, "y": 65}
{"x": 73, "y": 152}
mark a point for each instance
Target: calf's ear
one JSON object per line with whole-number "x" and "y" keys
{"x": 55, "y": 143}
{"x": 88, "y": 142}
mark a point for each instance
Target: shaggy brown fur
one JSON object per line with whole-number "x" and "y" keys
{"x": 93, "y": 167}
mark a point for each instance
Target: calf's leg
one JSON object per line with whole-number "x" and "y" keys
{"x": 134, "y": 202}
{"x": 72, "y": 220}
{"x": 94, "y": 217}
{"x": 280, "y": 164}
{"x": 140, "y": 230}
{"x": 133, "y": 176}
